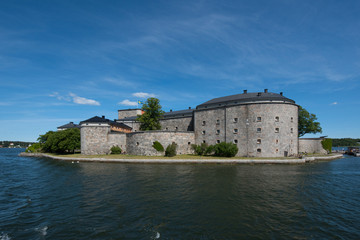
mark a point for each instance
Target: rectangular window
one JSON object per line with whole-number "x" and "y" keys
{"x": 236, "y": 130}
{"x": 277, "y": 119}
{"x": 235, "y": 141}
{"x": 258, "y": 150}
{"x": 217, "y": 132}
{"x": 217, "y": 122}
{"x": 203, "y": 123}
{"x": 277, "y": 141}
{"x": 258, "y": 130}
{"x": 235, "y": 120}
{"x": 217, "y": 141}
{"x": 176, "y": 128}
{"x": 277, "y": 130}
{"x": 203, "y": 132}
{"x": 258, "y": 119}
{"x": 258, "y": 141}
{"x": 292, "y": 130}
{"x": 292, "y": 119}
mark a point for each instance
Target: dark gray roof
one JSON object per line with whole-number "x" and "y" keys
{"x": 246, "y": 97}
{"x": 122, "y": 125}
{"x": 96, "y": 119}
{"x": 70, "y": 125}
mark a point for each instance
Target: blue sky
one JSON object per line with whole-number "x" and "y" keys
{"x": 64, "y": 61}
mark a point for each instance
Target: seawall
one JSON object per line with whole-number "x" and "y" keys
{"x": 200, "y": 161}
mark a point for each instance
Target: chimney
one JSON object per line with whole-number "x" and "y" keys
{"x": 245, "y": 91}
{"x": 170, "y": 110}
{"x": 189, "y": 107}
{"x": 265, "y": 90}
{"x": 259, "y": 94}
{"x": 281, "y": 93}
{"x": 103, "y": 117}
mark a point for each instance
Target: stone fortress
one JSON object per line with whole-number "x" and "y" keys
{"x": 261, "y": 124}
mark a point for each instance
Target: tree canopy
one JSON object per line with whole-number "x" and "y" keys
{"x": 150, "y": 119}
{"x": 65, "y": 141}
{"x": 307, "y": 122}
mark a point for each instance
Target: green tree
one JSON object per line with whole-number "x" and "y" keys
{"x": 307, "y": 123}
{"x": 65, "y": 141}
{"x": 150, "y": 119}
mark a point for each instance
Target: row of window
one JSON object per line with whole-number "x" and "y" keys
{"x": 258, "y": 130}
{"x": 258, "y": 119}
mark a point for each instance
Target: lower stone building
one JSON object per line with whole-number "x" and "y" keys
{"x": 261, "y": 124}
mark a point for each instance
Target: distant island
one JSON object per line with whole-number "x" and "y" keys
{"x": 345, "y": 142}
{"x": 15, "y": 144}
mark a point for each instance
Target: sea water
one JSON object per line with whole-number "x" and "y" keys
{"x": 48, "y": 199}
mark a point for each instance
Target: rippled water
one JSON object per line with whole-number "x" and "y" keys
{"x": 47, "y": 199}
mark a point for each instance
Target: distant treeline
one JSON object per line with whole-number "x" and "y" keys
{"x": 6, "y": 144}
{"x": 345, "y": 142}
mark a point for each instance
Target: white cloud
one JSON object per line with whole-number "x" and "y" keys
{"x": 59, "y": 97}
{"x": 84, "y": 101}
{"x": 128, "y": 103}
{"x": 334, "y": 103}
{"x": 143, "y": 95}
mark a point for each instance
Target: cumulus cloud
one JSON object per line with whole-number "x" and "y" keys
{"x": 334, "y": 103}
{"x": 143, "y": 95}
{"x": 84, "y": 101}
{"x": 128, "y": 103}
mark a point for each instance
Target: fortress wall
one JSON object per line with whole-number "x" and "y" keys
{"x": 209, "y": 121}
{"x": 182, "y": 124}
{"x": 281, "y": 116}
{"x": 239, "y": 124}
{"x": 311, "y": 145}
{"x": 117, "y": 139}
{"x": 94, "y": 139}
{"x": 140, "y": 143}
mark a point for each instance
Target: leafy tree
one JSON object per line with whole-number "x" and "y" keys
{"x": 171, "y": 150}
{"x": 225, "y": 149}
{"x": 307, "y": 123}
{"x": 150, "y": 119}
{"x": 115, "y": 150}
{"x": 34, "y": 148}
{"x": 43, "y": 138}
{"x": 327, "y": 144}
{"x": 157, "y": 145}
{"x": 65, "y": 141}
{"x": 202, "y": 149}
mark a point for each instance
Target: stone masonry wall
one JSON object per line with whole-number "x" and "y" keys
{"x": 94, "y": 139}
{"x": 177, "y": 124}
{"x": 312, "y": 145}
{"x": 140, "y": 143}
{"x": 117, "y": 139}
{"x": 277, "y": 124}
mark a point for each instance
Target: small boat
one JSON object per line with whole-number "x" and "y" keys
{"x": 355, "y": 151}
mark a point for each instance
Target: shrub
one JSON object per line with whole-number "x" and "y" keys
{"x": 171, "y": 150}
{"x": 36, "y": 147}
{"x": 158, "y": 146}
{"x": 202, "y": 149}
{"x": 225, "y": 149}
{"x": 327, "y": 144}
{"x": 115, "y": 150}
